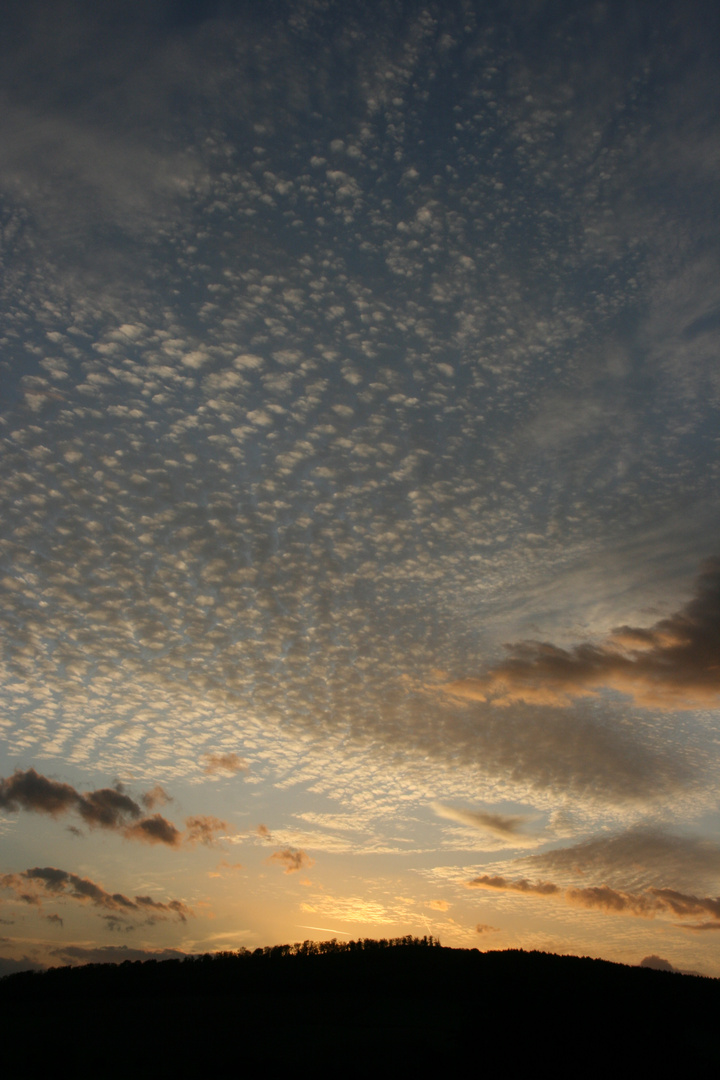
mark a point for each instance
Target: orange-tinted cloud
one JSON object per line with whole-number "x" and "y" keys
{"x": 674, "y": 664}
{"x": 439, "y": 905}
{"x": 229, "y": 764}
{"x": 542, "y": 888}
{"x": 157, "y": 796}
{"x": 292, "y": 859}
{"x": 485, "y": 928}
{"x": 203, "y": 829}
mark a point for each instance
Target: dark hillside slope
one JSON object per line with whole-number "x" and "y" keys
{"x": 347, "y": 1006}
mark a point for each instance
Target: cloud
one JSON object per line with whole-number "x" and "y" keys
{"x": 31, "y": 791}
{"x": 154, "y": 830}
{"x": 636, "y": 859}
{"x": 292, "y": 859}
{"x": 157, "y": 796}
{"x": 113, "y": 954}
{"x": 505, "y": 827}
{"x": 228, "y": 764}
{"x": 485, "y": 881}
{"x": 203, "y": 828}
{"x": 485, "y": 928}
{"x": 439, "y": 905}
{"x": 674, "y": 664}
{"x": 657, "y": 963}
{"x": 38, "y": 883}
{"x": 106, "y": 808}
{"x": 9, "y": 965}
{"x": 645, "y": 905}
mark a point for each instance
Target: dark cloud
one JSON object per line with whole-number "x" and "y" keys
{"x": 116, "y": 923}
{"x": 675, "y": 664}
{"x": 541, "y": 888}
{"x": 106, "y": 808}
{"x": 9, "y": 965}
{"x": 173, "y": 907}
{"x": 31, "y": 791}
{"x": 645, "y": 905}
{"x": 292, "y": 859}
{"x": 154, "y": 830}
{"x": 485, "y": 928}
{"x": 657, "y": 963}
{"x": 50, "y": 881}
{"x": 113, "y": 954}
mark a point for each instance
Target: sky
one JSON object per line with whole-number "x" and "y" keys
{"x": 359, "y": 484}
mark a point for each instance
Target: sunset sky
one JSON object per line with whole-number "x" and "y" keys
{"x": 359, "y": 515}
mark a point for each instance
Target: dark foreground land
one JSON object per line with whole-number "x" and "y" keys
{"x": 351, "y": 1007}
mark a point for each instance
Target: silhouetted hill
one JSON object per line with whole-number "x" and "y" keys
{"x": 408, "y": 1003}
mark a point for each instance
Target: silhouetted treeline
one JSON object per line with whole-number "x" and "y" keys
{"x": 403, "y": 1001}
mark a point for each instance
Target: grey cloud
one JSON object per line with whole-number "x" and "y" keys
{"x": 9, "y": 965}
{"x": 113, "y": 954}
{"x": 635, "y": 859}
{"x": 657, "y": 963}
{"x": 646, "y": 905}
{"x": 106, "y": 808}
{"x": 496, "y": 881}
{"x": 673, "y": 664}
{"x": 506, "y": 827}
{"x": 54, "y": 882}
{"x": 153, "y": 830}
